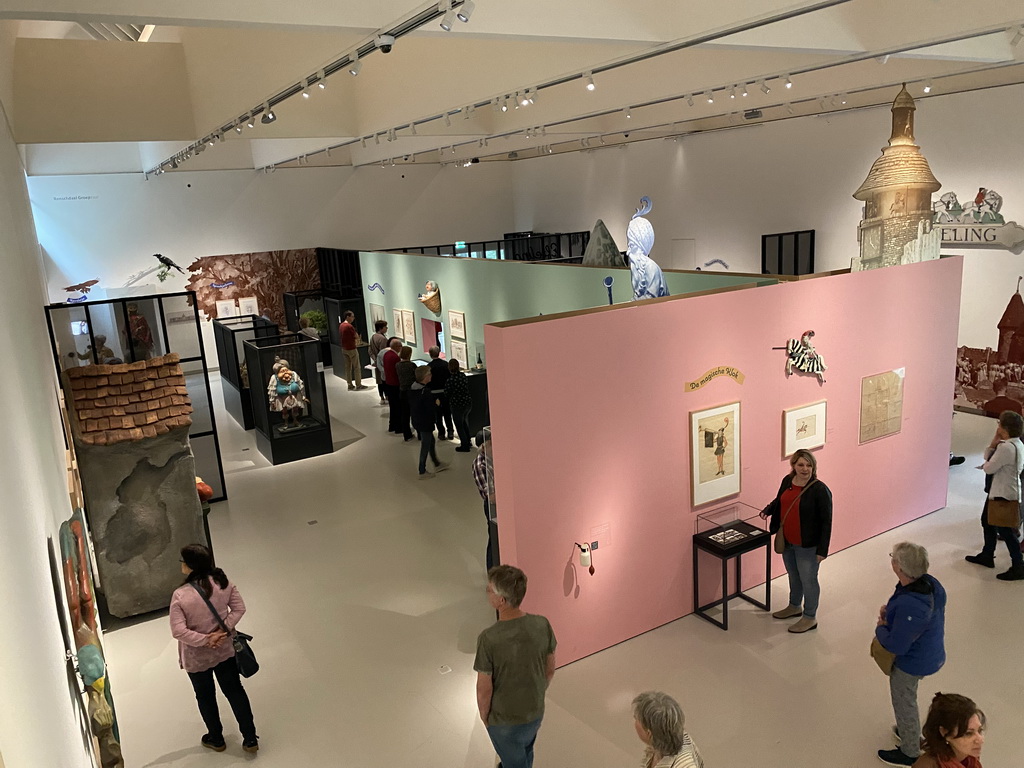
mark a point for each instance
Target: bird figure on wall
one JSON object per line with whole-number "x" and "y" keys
{"x": 81, "y": 287}
{"x": 167, "y": 262}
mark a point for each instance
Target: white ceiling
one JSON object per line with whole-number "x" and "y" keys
{"x": 648, "y": 57}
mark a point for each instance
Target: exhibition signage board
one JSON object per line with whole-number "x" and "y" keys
{"x": 723, "y": 370}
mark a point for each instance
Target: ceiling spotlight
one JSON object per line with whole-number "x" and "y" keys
{"x": 765, "y": 88}
{"x": 174, "y": 163}
{"x": 882, "y": 59}
{"x": 376, "y": 139}
{"x": 832, "y": 101}
{"x": 524, "y": 100}
{"x": 789, "y": 83}
{"x": 709, "y": 96}
{"x": 732, "y": 92}
{"x": 589, "y": 77}
{"x": 689, "y": 100}
{"x": 602, "y": 140}
{"x": 843, "y": 98}
{"x": 448, "y": 20}
{"x": 628, "y": 113}
{"x": 268, "y": 115}
{"x": 531, "y": 95}
{"x": 744, "y": 94}
{"x": 928, "y": 87}
{"x": 789, "y": 108}
{"x": 210, "y": 144}
{"x": 305, "y": 92}
{"x": 321, "y": 78}
{"x": 1018, "y": 36}
{"x": 447, "y": 120}
{"x": 251, "y": 122}
{"x": 413, "y": 127}
{"x": 465, "y": 113}
{"x": 504, "y": 105}
{"x": 466, "y": 10}
{"x": 355, "y": 66}
{"x": 238, "y": 128}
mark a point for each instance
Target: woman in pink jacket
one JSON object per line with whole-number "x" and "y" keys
{"x": 204, "y": 650}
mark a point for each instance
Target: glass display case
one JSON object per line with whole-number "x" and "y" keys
{"x": 130, "y": 329}
{"x": 336, "y": 309}
{"x": 309, "y": 305}
{"x": 728, "y": 532}
{"x": 230, "y": 333}
{"x": 289, "y": 398}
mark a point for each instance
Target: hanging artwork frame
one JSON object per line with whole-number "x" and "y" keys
{"x": 460, "y": 353}
{"x": 715, "y": 470}
{"x": 803, "y": 428}
{"x": 376, "y": 314}
{"x": 457, "y": 324}
{"x": 397, "y": 328}
{"x": 409, "y": 327}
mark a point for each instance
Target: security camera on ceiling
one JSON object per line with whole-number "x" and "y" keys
{"x": 385, "y": 43}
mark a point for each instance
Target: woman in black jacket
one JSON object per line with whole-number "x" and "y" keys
{"x": 803, "y": 510}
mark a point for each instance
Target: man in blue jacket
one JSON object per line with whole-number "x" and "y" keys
{"x": 911, "y": 626}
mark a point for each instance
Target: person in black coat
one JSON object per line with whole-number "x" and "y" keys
{"x": 803, "y": 510}
{"x": 438, "y": 381}
{"x": 423, "y": 405}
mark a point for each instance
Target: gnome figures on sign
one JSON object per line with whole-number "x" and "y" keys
{"x": 801, "y": 355}
{"x": 648, "y": 281}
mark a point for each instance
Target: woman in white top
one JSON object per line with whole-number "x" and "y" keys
{"x": 1004, "y": 461}
{"x": 659, "y": 724}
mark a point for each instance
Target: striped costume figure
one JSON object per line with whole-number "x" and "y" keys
{"x": 802, "y": 356}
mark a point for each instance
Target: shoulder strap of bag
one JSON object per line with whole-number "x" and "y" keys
{"x": 212, "y": 609}
{"x": 794, "y": 501}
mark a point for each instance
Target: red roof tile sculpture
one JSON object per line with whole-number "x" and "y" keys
{"x": 124, "y": 403}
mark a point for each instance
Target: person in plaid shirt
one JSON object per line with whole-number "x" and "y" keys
{"x": 483, "y": 475}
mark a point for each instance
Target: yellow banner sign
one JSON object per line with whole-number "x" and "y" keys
{"x": 722, "y": 370}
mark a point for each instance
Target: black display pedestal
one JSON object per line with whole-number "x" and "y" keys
{"x": 230, "y": 333}
{"x": 280, "y": 436}
{"x": 238, "y": 403}
{"x": 480, "y": 414}
{"x": 754, "y": 538}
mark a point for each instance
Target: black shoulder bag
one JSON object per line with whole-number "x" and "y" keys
{"x": 244, "y": 657}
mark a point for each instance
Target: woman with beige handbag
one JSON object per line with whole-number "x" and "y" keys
{"x": 801, "y": 519}
{"x": 1000, "y": 517}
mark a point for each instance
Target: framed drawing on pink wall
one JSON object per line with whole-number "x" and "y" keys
{"x": 715, "y": 453}
{"x": 803, "y": 428}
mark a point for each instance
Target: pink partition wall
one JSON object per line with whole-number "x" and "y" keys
{"x": 590, "y": 423}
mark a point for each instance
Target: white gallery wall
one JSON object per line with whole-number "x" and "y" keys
{"x": 37, "y": 722}
{"x": 107, "y": 227}
{"x": 725, "y": 190}
{"x": 716, "y": 194}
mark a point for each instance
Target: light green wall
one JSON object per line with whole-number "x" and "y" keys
{"x": 492, "y": 291}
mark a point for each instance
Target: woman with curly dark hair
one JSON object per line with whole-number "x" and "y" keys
{"x": 954, "y": 733}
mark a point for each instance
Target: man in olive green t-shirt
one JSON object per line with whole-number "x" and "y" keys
{"x": 515, "y": 661}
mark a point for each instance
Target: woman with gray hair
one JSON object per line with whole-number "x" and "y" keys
{"x": 911, "y": 626}
{"x": 1004, "y": 461}
{"x": 659, "y": 724}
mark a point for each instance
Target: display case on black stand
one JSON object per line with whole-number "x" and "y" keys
{"x": 230, "y": 333}
{"x": 728, "y": 533}
{"x": 309, "y": 305}
{"x": 292, "y": 419}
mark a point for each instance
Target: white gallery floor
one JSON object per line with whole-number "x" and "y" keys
{"x": 365, "y": 586}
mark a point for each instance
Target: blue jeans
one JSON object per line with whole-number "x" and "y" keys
{"x": 427, "y": 448}
{"x": 802, "y": 567}
{"x": 514, "y": 743}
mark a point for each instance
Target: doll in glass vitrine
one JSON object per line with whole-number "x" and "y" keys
{"x": 287, "y": 395}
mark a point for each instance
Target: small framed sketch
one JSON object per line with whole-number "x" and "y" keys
{"x": 457, "y": 324}
{"x": 376, "y": 314}
{"x": 409, "y": 327}
{"x": 396, "y": 327}
{"x": 715, "y": 453}
{"x": 226, "y": 308}
{"x": 248, "y": 305}
{"x": 803, "y": 428}
{"x": 459, "y": 353}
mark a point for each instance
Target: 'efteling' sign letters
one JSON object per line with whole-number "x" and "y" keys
{"x": 978, "y": 224}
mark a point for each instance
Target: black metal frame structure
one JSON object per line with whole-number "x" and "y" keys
{"x": 204, "y": 468}
{"x": 788, "y": 253}
{"x": 564, "y": 248}
{"x": 228, "y": 334}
